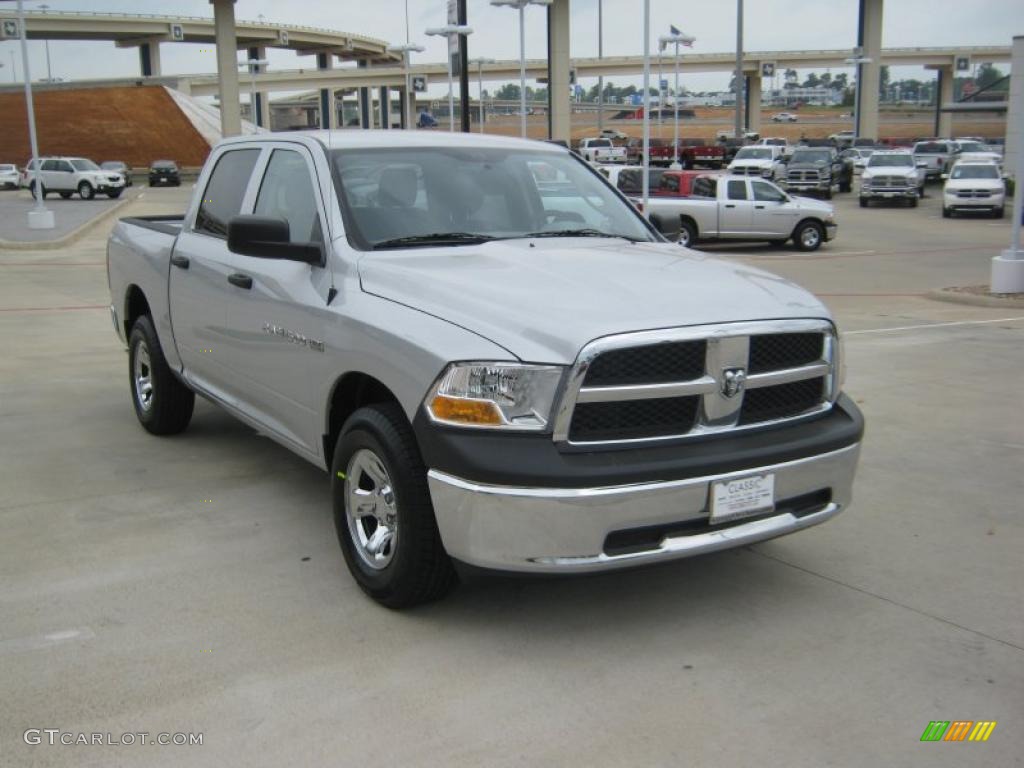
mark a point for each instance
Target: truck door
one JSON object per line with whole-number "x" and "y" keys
{"x": 199, "y": 272}
{"x": 773, "y": 214}
{"x": 737, "y": 210}
{"x": 277, "y": 308}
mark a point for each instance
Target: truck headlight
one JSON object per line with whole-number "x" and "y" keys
{"x": 508, "y": 396}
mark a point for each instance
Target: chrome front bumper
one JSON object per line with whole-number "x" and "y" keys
{"x": 554, "y": 530}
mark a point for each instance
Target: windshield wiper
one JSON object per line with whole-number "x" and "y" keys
{"x": 585, "y": 232}
{"x": 435, "y": 238}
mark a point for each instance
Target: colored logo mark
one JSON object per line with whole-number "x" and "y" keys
{"x": 958, "y": 730}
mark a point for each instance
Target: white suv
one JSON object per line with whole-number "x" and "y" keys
{"x": 69, "y": 175}
{"x": 8, "y": 176}
{"x": 974, "y": 186}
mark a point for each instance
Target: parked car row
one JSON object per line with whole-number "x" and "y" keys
{"x": 68, "y": 176}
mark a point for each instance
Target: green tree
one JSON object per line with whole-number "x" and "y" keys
{"x": 507, "y": 92}
{"x": 989, "y": 74}
{"x": 839, "y": 82}
{"x": 812, "y": 81}
{"x": 883, "y": 80}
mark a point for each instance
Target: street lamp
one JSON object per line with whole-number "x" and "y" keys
{"x": 41, "y": 217}
{"x": 448, "y": 32}
{"x": 254, "y": 67}
{"x": 49, "y": 73}
{"x": 405, "y": 50}
{"x": 480, "y": 85}
{"x": 677, "y": 38}
{"x": 520, "y": 5}
{"x": 857, "y": 60}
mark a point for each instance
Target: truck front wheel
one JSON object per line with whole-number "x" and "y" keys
{"x": 808, "y": 236}
{"x": 383, "y": 512}
{"x": 162, "y": 403}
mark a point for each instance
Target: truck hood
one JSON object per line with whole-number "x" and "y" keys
{"x": 890, "y": 170}
{"x": 744, "y": 162}
{"x": 992, "y": 184}
{"x": 804, "y": 166}
{"x": 543, "y": 299}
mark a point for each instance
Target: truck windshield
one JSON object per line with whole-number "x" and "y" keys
{"x": 460, "y": 195}
{"x": 751, "y": 153}
{"x": 899, "y": 161}
{"x": 811, "y": 157}
{"x": 975, "y": 172}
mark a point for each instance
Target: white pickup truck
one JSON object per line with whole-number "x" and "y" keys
{"x": 498, "y": 360}
{"x": 601, "y": 151}
{"x": 743, "y": 208}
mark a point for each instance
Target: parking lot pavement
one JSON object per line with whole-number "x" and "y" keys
{"x": 69, "y": 214}
{"x": 194, "y": 584}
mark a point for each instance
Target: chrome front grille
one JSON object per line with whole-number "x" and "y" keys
{"x": 798, "y": 176}
{"x": 889, "y": 182}
{"x": 974, "y": 193}
{"x": 679, "y": 383}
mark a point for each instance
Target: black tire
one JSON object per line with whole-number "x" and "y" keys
{"x": 946, "y": 213}
{"x": 169, "y": 408}
{"x": 65, "y": 195}
{"x": 997, "y": 213}
{"x": 114, "y": 194}
{"x": 846, "y": 186}
{"x": 828, "y": 194}
{"x": 687, "y": 233}
{"x": 418, "y": 570}
{"x": 85, "y": 191}
{"x": 863, "y": 202}
{"x": 804, "y": 236}
{"x": 913, "y": 202}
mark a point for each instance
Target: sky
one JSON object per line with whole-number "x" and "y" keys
{"x": 769, "y": 25}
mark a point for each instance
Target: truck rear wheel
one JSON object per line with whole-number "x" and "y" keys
{"x": 808, "y": 236}
{"x": 687, "y": 233}
{"x": 383, "y": 513}
{"x": 863, "y": 202}
{"x": 162, "y": 403}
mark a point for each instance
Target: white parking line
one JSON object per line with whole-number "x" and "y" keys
{"x": 933, "y": 325}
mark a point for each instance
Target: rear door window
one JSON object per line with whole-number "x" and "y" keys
{"x": 225, "y": 191}
{"x": 737, "y": 189}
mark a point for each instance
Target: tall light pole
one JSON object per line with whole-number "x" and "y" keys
{"x": 521, "y": 6}
{"x": 14, "y": 69}
{"x": 41, "y": 217}
{"x": 857, "y": 60}
{"x": 645, "y": 184}
{"x": 600, "y": 78}
{"x": 405, "y": 50}
{"x": 677, "y": 38}
{"x": 480, "y": 85}
{"x": 738, "y": 124}
{"x": 49, "y": 72}
{"x": 448, "y": 32}
{"x": 254, "y": 67}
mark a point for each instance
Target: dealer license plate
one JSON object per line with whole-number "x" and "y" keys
{"x": 744, "y": 497}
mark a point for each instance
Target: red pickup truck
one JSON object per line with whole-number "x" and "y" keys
{"x": 661, "y": 151}
{"x": 679, "y": 183}
{"x": 694, "y": 152}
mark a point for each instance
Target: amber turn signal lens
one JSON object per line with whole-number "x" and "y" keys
{"x": 465, "y": 411}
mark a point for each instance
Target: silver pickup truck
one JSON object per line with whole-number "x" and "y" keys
{"x": 497, "y": 359}
{"x": 743, "y": 208}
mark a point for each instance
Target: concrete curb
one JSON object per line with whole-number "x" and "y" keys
{"x": 954, "y": 296}
{"x": 70, "y": 237}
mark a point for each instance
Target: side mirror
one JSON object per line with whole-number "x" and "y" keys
{"x": 268, "y": 238}
{"x": 667, "y": 224}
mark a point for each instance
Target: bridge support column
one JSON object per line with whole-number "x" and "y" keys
{"x": 559, "y": 100}
{"x": 261, "y": 109}
{"x": 365, "y": 105}
{"x": 943, "y": 95}
{"x": 869, "y": 38}
{"x": 385, "y": 107}
{"x": 227, "y": 66}
{"x": 149, "y": 59}
{"x": 328, "y": 102}
{"x": 753, "y": 105}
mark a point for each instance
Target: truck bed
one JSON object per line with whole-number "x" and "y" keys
{"x": 168, "y": 224}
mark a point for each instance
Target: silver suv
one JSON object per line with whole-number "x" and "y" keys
{"x": 73, "y": 175}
